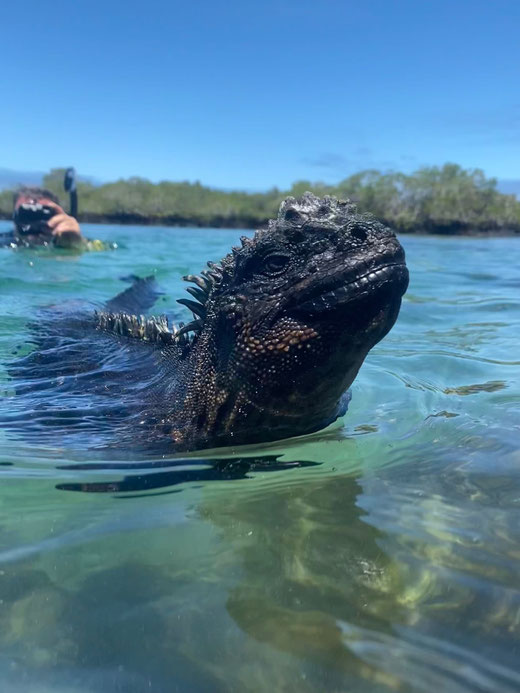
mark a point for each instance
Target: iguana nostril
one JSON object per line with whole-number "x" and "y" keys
{"x": 359, "y": 233}
{"x": 293, "y": 215}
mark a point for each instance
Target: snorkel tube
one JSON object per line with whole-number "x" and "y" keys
{"x": 69, "y": 183}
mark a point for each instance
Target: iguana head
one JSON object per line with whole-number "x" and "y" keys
{"x": 284, "y": 322}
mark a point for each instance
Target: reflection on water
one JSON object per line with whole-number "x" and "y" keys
{"x": 296, "y": 584}
{"x": 311, "y": 563}
{"x": 378, "y": 555}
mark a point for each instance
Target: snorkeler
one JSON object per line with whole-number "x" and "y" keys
{"x": 39, "y": 220}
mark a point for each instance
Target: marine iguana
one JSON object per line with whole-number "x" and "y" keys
{"x": 281, "y": 327}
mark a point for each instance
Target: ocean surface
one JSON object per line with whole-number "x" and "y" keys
{"x": 381, "y": 554}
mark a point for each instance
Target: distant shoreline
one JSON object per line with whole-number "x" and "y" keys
{"x": 438, "y": 200}
{"x": 239, "y": 222}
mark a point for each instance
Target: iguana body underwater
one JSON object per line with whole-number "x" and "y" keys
{"x": 281, "y": 327}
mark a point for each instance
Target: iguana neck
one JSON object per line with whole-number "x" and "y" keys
{"x": 212, "y": 407}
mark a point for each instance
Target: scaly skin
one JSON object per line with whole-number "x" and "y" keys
{"x": 281, "y": 328}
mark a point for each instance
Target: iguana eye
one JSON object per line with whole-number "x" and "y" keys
{"x": 275, "y": 264}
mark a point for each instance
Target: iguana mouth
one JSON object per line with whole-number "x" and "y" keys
{"x": 339, "y": 290}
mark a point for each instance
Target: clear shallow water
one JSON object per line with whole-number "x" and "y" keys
{"x": 390, "y": 564}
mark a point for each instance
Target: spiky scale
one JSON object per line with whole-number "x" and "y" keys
{"x": 199, "y": 294}
{"x": 215, "y": 267}
{"x": 206, "y": 276}
{"x": 194, "y": 306}
{"x": 193, "y": 326}
{"x": 200, "y": 281}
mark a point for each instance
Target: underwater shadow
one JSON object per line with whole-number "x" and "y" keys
{"x": 187, "y": 470}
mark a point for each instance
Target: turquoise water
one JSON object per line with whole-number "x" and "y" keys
{"x": 390, "y": 561}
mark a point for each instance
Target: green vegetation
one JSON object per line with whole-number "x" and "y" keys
{"x": 445, "y": 199}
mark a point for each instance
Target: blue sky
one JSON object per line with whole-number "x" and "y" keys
{"x": 254, "y": 94}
